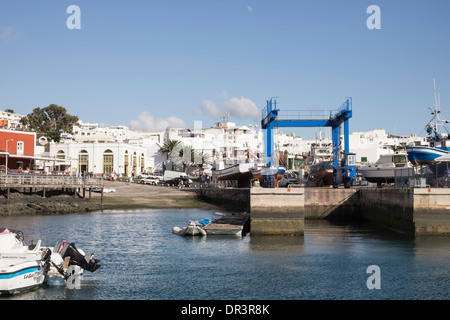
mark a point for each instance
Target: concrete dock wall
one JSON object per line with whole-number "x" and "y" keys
{"x": 418, "y": 211}
{"x": 236, "y": 198}
{"x": 277, "y": 211}
{"x": 390, "y": 207}
{"x": 432, "y": 211}
{"x": 330, "y": 203}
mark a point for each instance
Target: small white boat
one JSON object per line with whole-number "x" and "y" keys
{"x": 105, "y": 189}
{"x": 22, "y": 267}
{"x": 384, "y": 170}
{"x": 192, "y": 229}
{"x": 26, "y": 267}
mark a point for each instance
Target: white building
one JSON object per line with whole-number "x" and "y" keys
{"x": 10, "y": 120}
{"x": 97, "y": 150}
{"x": 100, "y": 157}
{"x": 103, "y": 150}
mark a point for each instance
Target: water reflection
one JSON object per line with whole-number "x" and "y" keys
{"x": 292, "y": 244}
{"x": 142, "y": 259}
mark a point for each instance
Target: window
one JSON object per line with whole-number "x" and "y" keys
{"x": 134, "y": 169}
{"x": 108, "y": 162}
{"x": 126, "y": 164}
{"x": 20, "y": 148}
{"x": 83, "y": 161}
{"x": 60, "y": 155}
{"x": 142, "y": 163}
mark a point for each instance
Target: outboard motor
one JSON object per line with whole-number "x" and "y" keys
{"x": 86, "y": 262}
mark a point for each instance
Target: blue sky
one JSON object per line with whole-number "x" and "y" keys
{"x": 148, "y": 64}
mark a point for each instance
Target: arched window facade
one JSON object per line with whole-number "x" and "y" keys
{"x": 126, "y": 164}
{"x": 83, "y": 162}
{"x": 108, "y": 162}
{"x": 134, "y": 172}
{"x": 60, "y": 155}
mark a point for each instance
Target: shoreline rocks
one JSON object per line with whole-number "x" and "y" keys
{"x": 55, "y": 203}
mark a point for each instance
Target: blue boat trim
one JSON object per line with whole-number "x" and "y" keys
{"x": 424, "y": 154}
{"x": 10, "y": 275}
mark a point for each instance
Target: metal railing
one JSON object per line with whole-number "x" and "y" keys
{"x": 431, "y": 176}
{"x": 224, "y": 184}
{"x": 48, "y": 180}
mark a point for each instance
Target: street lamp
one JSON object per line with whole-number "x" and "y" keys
{"x": 7, "y": 152}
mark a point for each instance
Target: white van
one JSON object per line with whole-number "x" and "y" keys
{"x": 169, "y": 175}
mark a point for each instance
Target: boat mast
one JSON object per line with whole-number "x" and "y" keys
{"x": 435, "y": 110}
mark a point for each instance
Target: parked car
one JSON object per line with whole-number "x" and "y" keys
{"x": 176, "y": 181}
{"x": 152, "y": 181}
{"x": 148, "y": 175}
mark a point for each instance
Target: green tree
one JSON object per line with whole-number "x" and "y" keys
{"x": 50, "y": 121}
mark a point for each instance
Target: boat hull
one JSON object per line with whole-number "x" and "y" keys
{"x": 383, "y": 175}
{"x": 273, "y": 171}
{"x": 189, "y": 231}
{"x": 21, "y": 277}
{"x": 420, "y": 155}
{"x": 240, "y": 172}
{"x": 322, "y": 173}
{"x": 223, "y": 229}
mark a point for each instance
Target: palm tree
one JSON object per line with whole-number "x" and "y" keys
{"x": 168, "y": 147}
{"x": 186, "y": 155}
{"x": 201, "y": 159}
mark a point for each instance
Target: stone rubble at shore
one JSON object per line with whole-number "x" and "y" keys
{"x": 54, "y": 203}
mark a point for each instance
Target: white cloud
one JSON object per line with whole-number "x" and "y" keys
{"x": 249, "y": 8}
{"x": 208, "y": 107}
{"x": 147, "y": 122}
{"x": 7, "y": 33}
{"x": 242, "y": 108}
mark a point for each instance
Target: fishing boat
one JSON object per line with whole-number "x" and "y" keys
{"x": 438, "y": 142}
{"x": 240, "y": 172}
{"x": 384, "y": 170}
{"x": 26, "y": 267}
{"x": 320, "y": 163}
{"x": 272, "y": 171}
{"x": 422, "y": 155}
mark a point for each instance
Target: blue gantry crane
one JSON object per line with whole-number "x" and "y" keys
{"x": 273, "y": 117}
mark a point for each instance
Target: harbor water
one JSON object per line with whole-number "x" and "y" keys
{"x": 143, "y": 260}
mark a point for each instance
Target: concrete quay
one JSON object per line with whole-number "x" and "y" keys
{"x": 277, "y": 211}
{"x": 416, "y": 211}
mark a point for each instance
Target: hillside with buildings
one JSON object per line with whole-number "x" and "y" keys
{"x": 106, "y": 150}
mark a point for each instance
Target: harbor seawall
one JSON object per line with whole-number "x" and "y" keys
{"x": 275, "y": 211}
{"x": 417, "y": 211}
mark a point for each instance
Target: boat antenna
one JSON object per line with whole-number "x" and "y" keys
{"x": 435, "y": 108}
